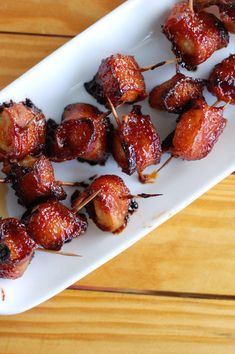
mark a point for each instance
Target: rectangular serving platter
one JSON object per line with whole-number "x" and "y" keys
{"x": 133, "y": 28}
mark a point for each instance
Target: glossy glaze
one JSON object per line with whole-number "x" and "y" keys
{"x": 136, "y": 143}
{"x": 118, "y": 78}
{"x": 52, "y": 224}
{"x": 221, "y": 82}
{"x": 176, "y": 94}
{"x": 33, "y": 180}
{"x": 194, "y": 36}
{"x": 16, "y": 248}
{"x": 22, "y": 130}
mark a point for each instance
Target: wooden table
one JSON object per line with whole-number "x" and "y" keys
{"x": 172, "y": 292}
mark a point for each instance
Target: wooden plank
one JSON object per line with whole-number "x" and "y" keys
{"x": 194, "y": 251}
{"x": 91, "y": 322}
{"x": 46, "y": 17}
{"x": 19, "y": 53}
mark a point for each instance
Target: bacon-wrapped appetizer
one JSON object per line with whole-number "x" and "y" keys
{"x": 136, "y": 143}
{"x": 175, "y": 95}
{"x": 221, "y": 82}
{"x": 22, "y": 130}
{"x": 16, "y": 248}
{"x": 51, "y": 224}
{"x": 226, "y": 9}
{"x": 83, "y": 133}
{"x": 98, "y": 149}
{"x": 119, "y": 78}
{"x": 197, "y": 131}
{"x": 194, "y": 36}
{"x": 33, "y": 180}
{"x": 110, "y": 208}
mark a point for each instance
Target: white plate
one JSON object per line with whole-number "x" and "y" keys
{"x": 133, "y": 28}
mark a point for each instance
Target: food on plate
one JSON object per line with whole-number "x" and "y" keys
{"x": 22, "y": 130}
{"x": 98, "y": 150}
{"x": 226, "y": 10}
{"x": 221, "y": 82}
{"x": 196, "y": 132}
{"x": 33, "y": 180}
{"x": 110, "y": 208}
{"x": 136, "y": 143}
{"x": 195, "y": 36}
{"x": 83, "y": 133}
{"x": 119, "y": 78}
{"x": 176, "y": 94}
{"x": 16, "y": 248}
{"x": 51, "y": 224}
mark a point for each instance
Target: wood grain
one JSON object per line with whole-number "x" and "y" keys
{"x": 47, "y": 17}
{"x": 89, "y": 323}
{"x": 194, "y": 251}
{"x": 19, "y": 53}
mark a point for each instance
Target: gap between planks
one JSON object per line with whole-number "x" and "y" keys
{"x": 37, "y": 34}
{"x": 160, "y": 293}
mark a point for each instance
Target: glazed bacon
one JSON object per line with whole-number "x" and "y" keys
{"x": 16, "y": 248}
{"x": 109, "y": 209}
{"x": 194, "y": 36}
{"x": 226, "y": 9}
{"x": 175, "y": 95}
{"x": 33, "y": 180}
{"x": 22, "y": 130}
{"x": 51, "y": 224}
{"x": 119, "y": 78}
{"x": 197, "y": 131}
{"x": 98, "y": 150}
{"x": 221, "y": 82}
{"x": 136, "y": 143}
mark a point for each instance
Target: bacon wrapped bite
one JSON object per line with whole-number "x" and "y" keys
{"x": 136, "y": 143}
{"x": 197, "y": 132}
{"x": 16, "y": 248}
{"x": 176, "y": 95}
{"x": 22, "y": 130}
{"x": 221, "y": 82}
{"x": 33, "y": 180}
{"x": 119, "y": 78}
{"x": 194, "y": 36}
{"x": 83, "y": 133}
{"x": 110, "y": 208}
{"x": 51, "y": 224}
{"x": 98, "y": 150}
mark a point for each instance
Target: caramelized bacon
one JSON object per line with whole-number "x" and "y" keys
{"x": 118, "y": 78}
{"x": 136, "y": 143}
{"x": 22, "y": 130}
{"x": 33, "y": 180}
{"x": 194, "y": 36}
{"x": 221, "y": 82}
{"x": 109, "y": 209}
{"x": 16, "y": 248}
{"x": 176, "y": 94}
{"x": 70, "y": 139}
{"x": 197, "y": 131}
{"x": 226, "y": 9}
{"x": 97, "y": 151}
{"x": 51, "y": 224}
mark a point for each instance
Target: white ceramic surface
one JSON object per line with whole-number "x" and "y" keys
{"x": 133, "y": 28}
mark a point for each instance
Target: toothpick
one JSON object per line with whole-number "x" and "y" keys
{"x": 215, "y": 103}
{"x": 69, "y": 184}
{"x": 85, "y": 201}
{"x": 154, "y": 66}
{"x": 68, "y": 254}
{"x": 190, "y": 4}
{"x": 165, "y": 163}
{"x": 114, "y": 111}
